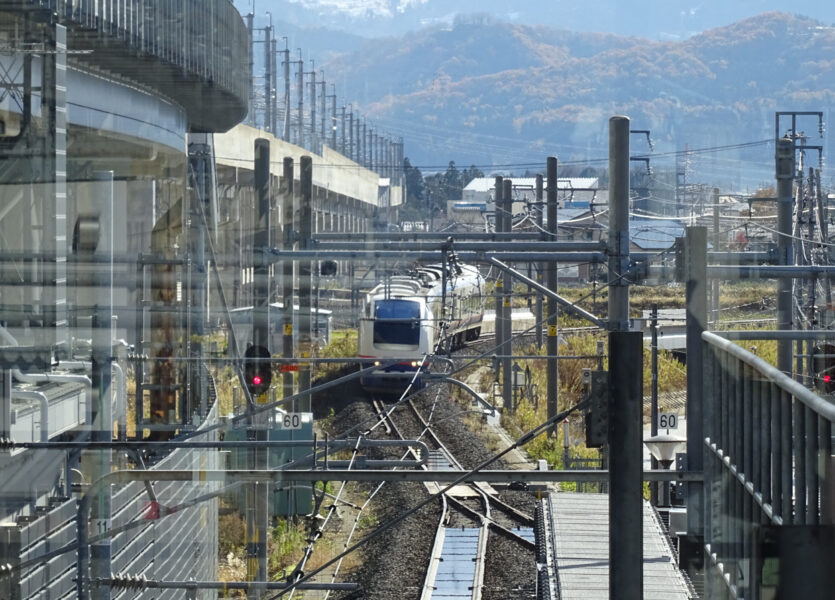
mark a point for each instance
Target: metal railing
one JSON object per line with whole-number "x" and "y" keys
{"x": 768, "y": 440}
{"x": 199, "y": 49}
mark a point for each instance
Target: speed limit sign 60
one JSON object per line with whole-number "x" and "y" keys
{"x": 291, "y": 421}
{"x": 667, "y": 421}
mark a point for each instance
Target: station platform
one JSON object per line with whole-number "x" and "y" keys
{"x": 578, "y": 550}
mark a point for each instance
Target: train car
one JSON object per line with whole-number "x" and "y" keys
{"x": 410, "y": 317}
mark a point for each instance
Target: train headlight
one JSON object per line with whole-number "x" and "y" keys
{"x": 415, "y": 363}
{"x": 376, "y": 363}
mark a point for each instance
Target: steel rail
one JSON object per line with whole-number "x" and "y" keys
{"x": 492, "y": 522}
{"x": 480, "y": 557}
{"x": 436, "y": 556}
{"x": 489, "y": 497}
{"x": 477, "y": 485}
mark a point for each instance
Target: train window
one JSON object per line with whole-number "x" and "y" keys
{"x": 397, "y": 322}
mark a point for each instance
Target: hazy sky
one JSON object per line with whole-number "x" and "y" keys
{"x": 658, "y": 19}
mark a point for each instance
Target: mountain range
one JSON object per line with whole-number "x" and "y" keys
{"x": 489, "y": 92}
{"x": 485, "y": 88}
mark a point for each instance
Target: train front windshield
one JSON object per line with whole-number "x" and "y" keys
{"x": 397, "y": 322}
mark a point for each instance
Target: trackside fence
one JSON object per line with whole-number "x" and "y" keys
{"x": 768, "y": 450}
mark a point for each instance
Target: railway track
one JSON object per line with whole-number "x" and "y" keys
{"x": 458, "y": 560}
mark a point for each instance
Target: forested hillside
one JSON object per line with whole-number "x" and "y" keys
{"x": 487, "y": 92}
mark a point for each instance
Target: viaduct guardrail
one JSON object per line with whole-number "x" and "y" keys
{"x": 769, "y": 447}
{"x": 194, "y": 52}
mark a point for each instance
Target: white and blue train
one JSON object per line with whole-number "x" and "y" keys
{"x": 409, "y": 317}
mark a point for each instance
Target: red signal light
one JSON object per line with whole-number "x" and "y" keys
{"x": 256, "y": 380}
{"x": 827, "y": 378}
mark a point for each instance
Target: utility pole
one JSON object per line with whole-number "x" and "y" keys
{"x": 342, "y": 135}
{"x": 357, "y": 138}
{"x": 372, "y": 163}
{"x": 288, "y": 235}
{"x": 626, "y": 564}
{"x": 625, "y": 398}
{"x": 695, "y": 275}
{"x": 101, "y": 510}
{"x": 322, "y": 98}
{"x": 381, "y": 154}
{"x": 269, "y": 43}
{"x": 391, "y": 159}
{"x": 498, "y": 226}
{"x": 313, "y": 136}
{"x": 784, "y": 167}
{"x": 286, "y": 64}
{"x": 305, "y": 277}
{"x": 823, "y": 225}
{"x": 274, "y": 87}
{"x": 552, "y": 346}
{"x": 507, "y": 310}
{"x": 387, "y": 157}
{"x": 362, "y": 146}
{"x": 714, "y": 284}
{"x": 257, "y": 514}
{"x": 300, "y": 92}
{"x": 351, "y": 134}
{"x": 250, "y": 19}
{"x": 618, "y": 224}
{"x": 540, "y": 267}
{"x": 653, "y": 409}
{"x": 333, "y": 117}
{"x": 400, "y": 158}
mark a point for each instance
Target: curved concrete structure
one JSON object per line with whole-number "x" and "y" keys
{"x": 106, "y": 105}
{"x": 190, "y": 51}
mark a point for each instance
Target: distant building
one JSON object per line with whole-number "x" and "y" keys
{"x": 467, "y": 215}
{"x": 572, "y": 192}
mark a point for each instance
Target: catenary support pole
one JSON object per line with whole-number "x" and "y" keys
{"x": 351, "y": 153}
{"x": 268, "y": 82}
{"x": 625, "y": 471}
{"x": 653, "y": 411}
{"x": 552, "y": 373}
{"x": 507, "y": 310}
{"x": 100, "y": 552}
{"x": 498, "y": 324}
{"x": 257, "y": 516}
{"x": 333, "y": 118}
{"x": 540, "y": 267}
{"x": 285, "y": 135}
{"x": 784, "y": 167}
{"x": 695, "y": 276}
{"x": 618, "y": 223}
{"x": 305, "y": 277}
{"x": 714, "y": 284}
{"x": 342, "y": 134}
{"x": 625, "y": 397}
{"x": 300, "y": 94}
{"x": 313, "y": 137}
{"x": 323, "y": 135}
{"x": 288, "y": 235}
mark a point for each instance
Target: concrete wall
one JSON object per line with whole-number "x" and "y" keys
{"x": 331, "y": 171}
